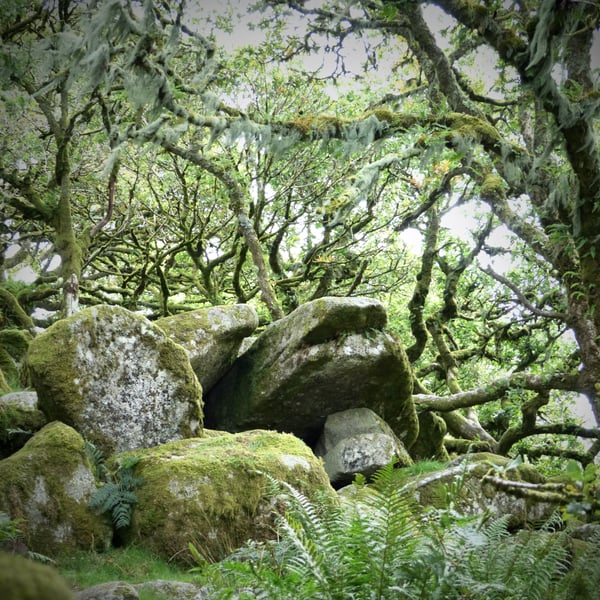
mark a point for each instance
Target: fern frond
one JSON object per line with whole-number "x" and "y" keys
{"x": 121, "y": 515}
{"x": 379, "y": 547}
{"x": 525, "y": 565}
{"x": 117, "y": 497}
{"x": 104, "y": 498}
{"x": 307, "y": 533}
{"x": 96, "y": 458}
{"x": 583, "y": 578}
{"x": 547, "y": 561}
{"x": 384, "y": 535}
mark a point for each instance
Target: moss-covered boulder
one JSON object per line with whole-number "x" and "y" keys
{"x": 358, "y": 441}
{"x": 48, "y": 483}
{"x": 117, "y": 379}
{"x": 212, "y": 491}
{"x": 211, "y": 337}
{"x": 24, "y": 579}
{"x": 479, "y": 483}
{"x": 329, "y": 355}
{"x": 20, "y": 418}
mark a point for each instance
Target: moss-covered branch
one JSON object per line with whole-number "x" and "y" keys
{"x": 518, "y": 433}
{"x": 495, "y": 390}
{"x": 11, "y": 305}
{"x": 416, "y": 305}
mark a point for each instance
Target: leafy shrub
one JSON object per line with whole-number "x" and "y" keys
{"x": 585, "y": 487}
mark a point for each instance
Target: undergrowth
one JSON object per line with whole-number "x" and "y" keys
{"x": 131, "y": 564}
{"x": 382, "y": 546}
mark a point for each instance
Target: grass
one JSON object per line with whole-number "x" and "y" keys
{"x": 131, "y": 564}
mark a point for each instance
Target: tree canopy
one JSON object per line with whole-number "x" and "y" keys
{"x": 145, "y": 165}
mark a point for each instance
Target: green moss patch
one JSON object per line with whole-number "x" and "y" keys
{"x": 23, "y": 579}
{"x": 18, "y": 423}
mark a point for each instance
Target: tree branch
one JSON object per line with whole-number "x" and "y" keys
{"x": 496, "y": 389}
{"x": 111, "y": 201}
{"x": 236, "y": 197}
{"x": 549, "y": 314}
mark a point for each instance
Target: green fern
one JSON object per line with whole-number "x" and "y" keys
{"x": 11, "y": 535}
{"x": 385, "y": 533}
{"x": 502, "y": 565}
{"x": 117, "y": 497}
{"x": 582, "y": 581}
{"x": 10, "y": 529}
{"x": 381, "y": 546}
{"x": 334, "y": 551}
{"x": 96, "y": 458}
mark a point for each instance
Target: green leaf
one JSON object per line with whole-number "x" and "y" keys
{"x": 389, "y": 12}
{"x": 589, "y": 473}
{"x": 574, "y": 470}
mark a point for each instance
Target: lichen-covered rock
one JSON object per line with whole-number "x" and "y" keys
{"x": 159, "y": 589}
{"x": 110, "y": 590}
{"x": 173, "y": 590}
{"x": 48, "y": 483}
{"x": 212, "y": 491}
{"x": 20, "y": 418}
{"x": 24, "y": 579}
{"x": 211, "y": 337}
{"x": 358, "y": 441}
{"x": 117, "y": 379}
{"x": 328, "y": 355}
{"x": 468, "y": 479}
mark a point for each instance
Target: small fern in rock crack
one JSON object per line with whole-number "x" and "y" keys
{"x": 116, "y": 496}
{"x": 96, "y": 458}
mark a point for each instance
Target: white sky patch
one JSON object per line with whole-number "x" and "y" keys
{"x": 582, "y": 410}
{"x": 465, "y": 220}
{"x": 12, "y": 250}
{"x": 269, "y": 191}
{"x": 413, "y": 239}
{"x": 25, "y": 274}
